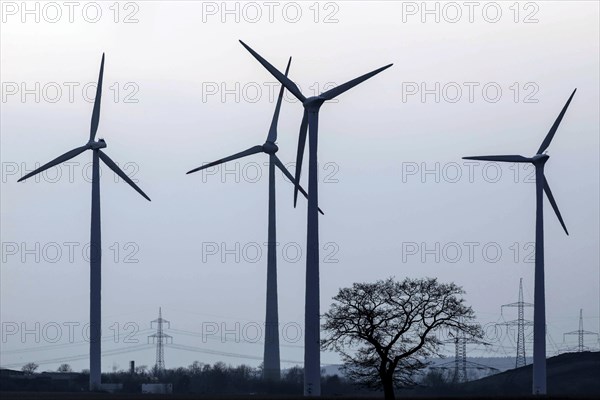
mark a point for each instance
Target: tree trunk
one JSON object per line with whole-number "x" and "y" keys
{"x": 388, "y": 387}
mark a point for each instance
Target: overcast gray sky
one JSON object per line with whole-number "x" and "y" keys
{"x": 179, "y": 90}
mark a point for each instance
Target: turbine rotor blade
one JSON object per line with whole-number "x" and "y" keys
{"x": 509, "y": 158}
{"x": 300, "y": 152}
{"x": 285, "y": 81}
{"x": 288, "y": 175}
{"x": 554, "y": 205}
{"x": 554, "y": 127}
{"x": 273, "y": 130}
{"x": 97, "y": 100}
{"x": 60, "y": 159}
{"x": 112, "y": 165}
{"x": 336, "y": 91}
{"x": 250, "y": 151}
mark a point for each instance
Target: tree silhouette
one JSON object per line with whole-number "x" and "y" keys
{"x": 64, "y": 368}
{"x": 384, "y": 331}
{"x": 29, "y": 368}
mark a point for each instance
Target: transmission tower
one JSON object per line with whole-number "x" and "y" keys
{"x": 460, "y": 359}
{"x": 520, "y": 323}
{"x": 460, "y": 362}
{"x": 580, "y": 334}
{"x": 160, "y": 338}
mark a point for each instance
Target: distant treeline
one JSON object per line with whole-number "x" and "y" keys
{"x": 198, "y": 378}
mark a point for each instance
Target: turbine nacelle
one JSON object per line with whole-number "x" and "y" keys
{"x": 270, "y": 147}
{"x": 95, "y": 145}
{"x": 540, "y": 159}
{"x": 313, "y": 103}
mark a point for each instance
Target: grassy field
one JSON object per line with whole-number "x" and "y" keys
{"x": 93, "y": 396}
{"x": 570, "y": 376}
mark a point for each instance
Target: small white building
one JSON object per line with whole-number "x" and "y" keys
{"x": 158, "y": 388}
{"x": 111, "y": 387}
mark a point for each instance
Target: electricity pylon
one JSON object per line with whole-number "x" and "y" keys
{"x": 160, "y": 338}
{"x": 520, "y": 323}
{"x": 580, "y": 334}
{"x": 460, "y": 362}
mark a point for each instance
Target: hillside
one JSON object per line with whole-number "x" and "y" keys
{"x": 570, "y": 374}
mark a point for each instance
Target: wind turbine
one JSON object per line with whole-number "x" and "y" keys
{"x": 95, "y": 245}
{"x": 310, "y": 120}
{"x": 541, "y": 185}
{"x": 271, "y": 367}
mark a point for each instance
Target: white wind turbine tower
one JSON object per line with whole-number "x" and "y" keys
{"x": 539, "y": 300}
{"x": 271, "y": 367}
{"x": 95, "y": 243}
{"x": 310, "y": 121}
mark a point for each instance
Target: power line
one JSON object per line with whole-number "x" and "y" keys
{"x": 225, "y": 339}
{"x": 223, "y": 353}
{"x": 84, "y": 356}
{"x": 105, "y": 338}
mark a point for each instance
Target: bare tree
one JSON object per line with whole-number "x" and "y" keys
{"x": 141, "y": 370}
{"x": 294, "y": 375}
{"x": 64, "y": 368}
{"x": 29, "y": 368}
{"x": 385, "y": 331}
{"x": 195, "y": 367}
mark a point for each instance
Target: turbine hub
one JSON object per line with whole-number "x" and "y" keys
{"x": 270, "y": 147}
{"x": 100, "y": 144}
{"x": 313, "y": 103}
{"x": 540, "y": 158}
